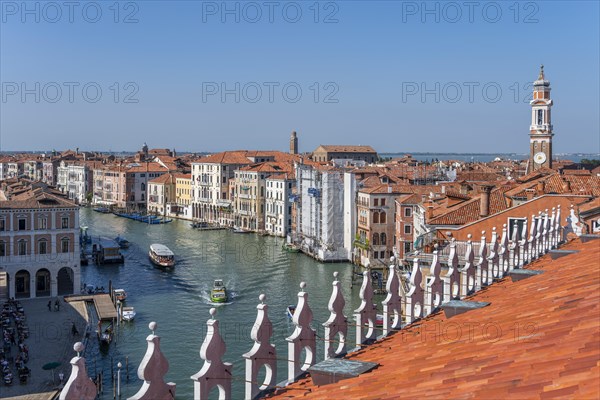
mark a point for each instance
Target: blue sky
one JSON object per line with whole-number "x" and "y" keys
{"x": 210, "y": 76}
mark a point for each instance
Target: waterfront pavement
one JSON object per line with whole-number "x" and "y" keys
{"x": 50, "y": 340}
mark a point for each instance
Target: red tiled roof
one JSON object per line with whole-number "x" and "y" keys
{"x": 469, "y": 211}
{"x": 346, "y": 149}
{"x": 538, "y": 339}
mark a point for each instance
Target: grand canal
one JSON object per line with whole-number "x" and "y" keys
{"x": 179, "y": 302}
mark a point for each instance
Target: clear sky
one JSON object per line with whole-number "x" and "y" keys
{"x": 209, "y": 76}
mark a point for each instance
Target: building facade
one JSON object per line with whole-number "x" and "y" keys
{"x": 39, "y": 244}
{"x": 278, "y": 208}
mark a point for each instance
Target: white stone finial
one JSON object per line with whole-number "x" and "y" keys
{"x": 79, "y": 386}
{"x": 469, "y": 236}
{"x": 152, "y": 370}
{"x": 262, "y": 298}
{"x": 212, "y": 312}
{"x": 78, "y": 347}
{"x": 302, "y": 286}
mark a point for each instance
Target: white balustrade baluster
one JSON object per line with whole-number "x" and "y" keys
{"x": 262, "y": 353}
{"x": 392, "y": 305}
{"x": 415, "y": 295}
{"x": 365, "y": 315}
{"x": 452, "y": 278}
{"x": 433, "y": 286}
{"x": 503, "y": 252}
{"x": 337, "y": 324}
{"x": 482, "y": 264}
{"x": 152, "y": 370}
{"x": 214, "y": 372}
{"x": 467, "y": 272}
{"x": 303, "y": 338}
{"x": 492, "y": 257}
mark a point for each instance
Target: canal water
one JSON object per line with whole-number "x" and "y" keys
{"x": 179, "y": 301}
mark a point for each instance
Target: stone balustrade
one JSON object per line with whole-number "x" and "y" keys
{"x": 431, "y": 285}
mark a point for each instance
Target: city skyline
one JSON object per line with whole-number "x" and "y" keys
{"x": 207, "y": 77}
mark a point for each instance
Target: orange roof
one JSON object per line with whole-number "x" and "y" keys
{"x": 540, "y": 349}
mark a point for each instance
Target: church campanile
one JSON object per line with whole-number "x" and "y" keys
{"x": 540, "y": 131}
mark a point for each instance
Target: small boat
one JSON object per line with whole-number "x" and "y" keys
{"x": 105, "y": 337}
{"x": 291, "y": 309}
{"x": 161, "y": 256}
{"x": 290, "y": 248}
{"x": 103, "y": 210}
{"x": 122, "y": 242}
{"x": 128, "y": 314}
{"x": 237, "y": 229}
{"x": 120, "y": 294}
{"x": 218, "y": 294}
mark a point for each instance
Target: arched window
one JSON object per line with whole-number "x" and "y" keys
{"x": 383, "y": 239}
{"x": 42, "y": 246}
{"x": 2, "y": 249}
{"x": 375, "y": 217}
{"x": 375, "y": 239}
{"x": 64, "y": 245}
{"x": 143, "y": 186}
{"x": 382, "y": 217}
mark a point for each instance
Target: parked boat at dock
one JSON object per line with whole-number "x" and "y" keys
{"x": 161, "y": 256}
{"x": 120, "y": 294}
{"x": 148, "y": 219}
{"x": 128, "y": 314}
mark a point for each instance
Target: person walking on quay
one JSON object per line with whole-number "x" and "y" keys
{"x": 49, "y": 305}
{"x": 57, "y": 305}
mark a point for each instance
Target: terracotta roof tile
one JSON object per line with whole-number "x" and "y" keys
{"x": 530, "y": 349}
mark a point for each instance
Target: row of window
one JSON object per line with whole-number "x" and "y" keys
{"x": 42, "y": 246}
{"x": 42, "y": 223}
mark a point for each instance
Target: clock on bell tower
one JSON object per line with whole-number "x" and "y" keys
{"x": 540, "y": 131}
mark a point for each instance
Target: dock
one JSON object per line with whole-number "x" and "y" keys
{"x": 102, "y": 302}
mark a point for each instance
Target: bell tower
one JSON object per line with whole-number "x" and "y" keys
{"x": 540, "y": 131}
{"x": 294, "y": 143}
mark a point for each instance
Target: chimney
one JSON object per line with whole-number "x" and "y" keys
{"x": 428, "y": 212}
{"x": 530, "y": 193}
{"x": 539, "y": 188}
{"x": 484, "y": 206}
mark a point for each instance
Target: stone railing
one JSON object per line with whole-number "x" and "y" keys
{"x": 430, "y": 286}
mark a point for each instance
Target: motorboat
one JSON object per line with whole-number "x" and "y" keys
{"x": 103, "y": 210}
{"x": 122, "y": 242}
{"x": 218, "y": 294}
{"x": 291, "y": 309}
{"x": 161, "y": 256}
{"x": 120, "y": 294}
{"x": 237, "y": 229}
{"x": 128, "y": 314}
{"x": 290, "y": 248}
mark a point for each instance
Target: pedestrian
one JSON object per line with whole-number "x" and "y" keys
{"x": 57, "y": 305}
{"x": 49, "y": 305}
